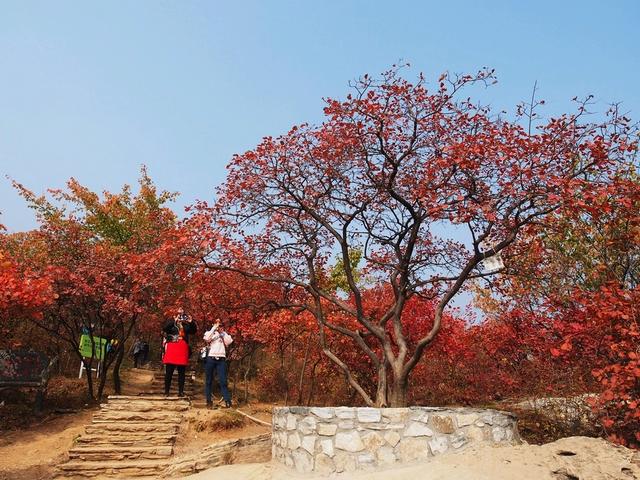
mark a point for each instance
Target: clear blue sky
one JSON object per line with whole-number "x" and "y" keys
{"x": 94, "y": 89}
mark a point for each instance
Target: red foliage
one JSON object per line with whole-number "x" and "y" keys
{"x": 24, "y": 292}
{"x": 604, "y": 331}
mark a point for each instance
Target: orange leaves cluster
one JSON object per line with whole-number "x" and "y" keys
{"x": 22, "y": 290}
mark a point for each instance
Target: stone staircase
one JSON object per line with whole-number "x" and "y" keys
{"x": 157, "y": 384}
{"x": 193, "y": 388}
{"x": 131, "y": 436}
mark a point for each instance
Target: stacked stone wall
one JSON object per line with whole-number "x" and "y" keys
{"x": 339, "y": 439}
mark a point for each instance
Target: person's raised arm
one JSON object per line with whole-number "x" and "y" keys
{"x": 212, "y": 333}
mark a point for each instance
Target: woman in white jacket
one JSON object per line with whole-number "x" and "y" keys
{"x": 217, "y": 341}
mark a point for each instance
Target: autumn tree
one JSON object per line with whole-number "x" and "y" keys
{"x": 393, "y": 171}
{"x": 95, "y": 251}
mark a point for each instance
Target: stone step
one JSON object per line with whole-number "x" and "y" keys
{"x": 141, "y": 406}
{"x": 189, "y": 392}
{"x": 120, "y": 453}
{"x": 147, "y": 398}
{"x": 159, "y": 377}
{"x": 159, "y": 374}
{"x": 174, "y": 383}
{"x": 127, "y": 439}
{"x": 160, "y": 382}
{"x": 174, "y": 387}
{"x": 137, "y": 417}
{"x": 200, "y": 402}
{"x": 115, "y": 428}
{"x": 121, "y": 469}
{"x": 148, "y": 407}
{"x": 131, "y": 436}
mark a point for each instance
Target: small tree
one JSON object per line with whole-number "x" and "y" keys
{"x": 395, "y": 172}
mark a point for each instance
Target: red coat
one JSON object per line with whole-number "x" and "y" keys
{"x": 176, "y": 353}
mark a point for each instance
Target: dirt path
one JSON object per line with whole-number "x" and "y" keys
{"x": 32, "y": 454}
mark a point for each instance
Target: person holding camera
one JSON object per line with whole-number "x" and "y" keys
{"x": 217, "y": 340}
{"x": 176, "y": 354}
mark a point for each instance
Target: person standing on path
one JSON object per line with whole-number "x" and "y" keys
{"x": 177, "y": 351}
{"x": 217, "y": 340}
{"x": 137, "y": 352}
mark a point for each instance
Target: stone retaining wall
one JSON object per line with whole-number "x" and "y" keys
{"x": 327, "y": 440}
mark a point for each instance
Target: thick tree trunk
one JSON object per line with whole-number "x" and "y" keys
{"x": 87, "y": 370}
{"x": 247, "y": 371}
{"x": 283, "y": 384}
{"x": 398, "y": 393}
{"x": 103, "y": 378}
{"x": 117, "y": 383}
{"x": 236, "y": 373}
{"x": 312, "y": 384}
{"x": 381, "y": 392}
{"x": 302, "y": 369}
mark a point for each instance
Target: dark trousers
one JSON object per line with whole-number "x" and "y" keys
{"x": 219, "y": 366}
{"x": 168, "y": 375}
{"x": 137, "y": 359}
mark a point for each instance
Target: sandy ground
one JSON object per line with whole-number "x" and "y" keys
{"x": 31, "y": 454}
{"x": 575, "y": 458}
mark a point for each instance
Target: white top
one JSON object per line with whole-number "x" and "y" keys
{"x": 217, "y": 342}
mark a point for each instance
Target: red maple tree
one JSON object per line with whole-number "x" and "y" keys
{"x": 393, "y": 172}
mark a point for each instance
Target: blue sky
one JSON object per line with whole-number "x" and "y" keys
{"x": 95, "y": 89}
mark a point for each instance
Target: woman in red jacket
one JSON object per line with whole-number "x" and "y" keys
{"x": 176, "y": 353}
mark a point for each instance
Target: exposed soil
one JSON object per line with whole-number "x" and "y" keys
{"x": 32, "y": 443}
{"x": 205, "y": 427}
{"x": 539, "y": 427}
{"x": 32, "y": 454}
